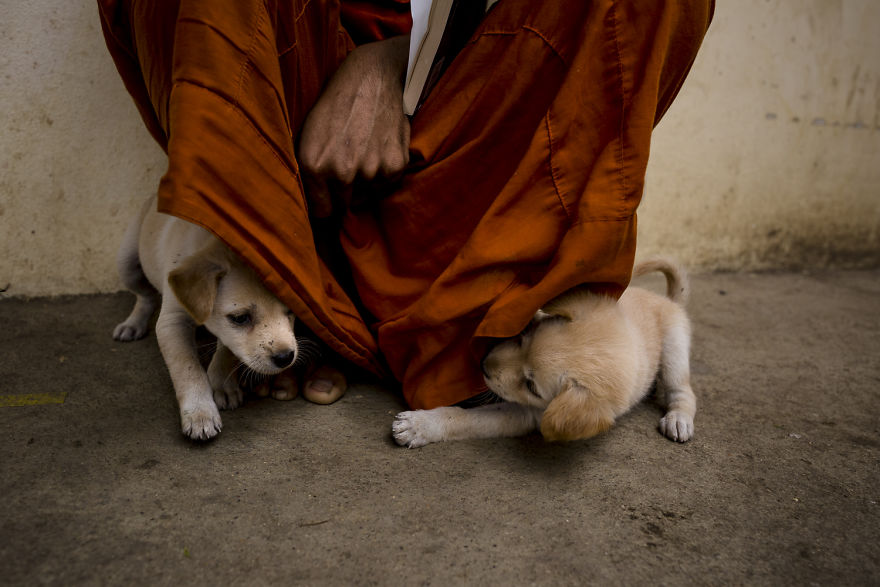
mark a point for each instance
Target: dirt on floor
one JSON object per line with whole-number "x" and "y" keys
{"x": 778, "y": 487}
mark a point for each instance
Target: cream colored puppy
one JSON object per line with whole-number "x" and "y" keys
{"x": 583, "y": 362}
{"x": 202, "y": 282}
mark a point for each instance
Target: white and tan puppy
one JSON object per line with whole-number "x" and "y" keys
{"x": 199, "y": 281}
{"x": 585, "y": 360}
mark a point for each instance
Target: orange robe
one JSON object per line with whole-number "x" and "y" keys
{"x": 527, "y": 163}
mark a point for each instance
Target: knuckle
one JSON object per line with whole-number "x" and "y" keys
{"x": 394, "y": 163}
{"x": 370, "y": 167}
{"x": 345, "y": 173}
{"x": 309, "y": 163}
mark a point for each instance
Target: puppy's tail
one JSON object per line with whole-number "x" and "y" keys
{"x": 677, "y": 286}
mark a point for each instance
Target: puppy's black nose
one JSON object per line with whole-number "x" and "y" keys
{"x": 283, "y": 360}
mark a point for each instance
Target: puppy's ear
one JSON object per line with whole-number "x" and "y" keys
{"x": 195, "y": 282}
{"x": 575, "y": 414}
{"x": 543, "y": 315}
{"x": 559, "y": 308}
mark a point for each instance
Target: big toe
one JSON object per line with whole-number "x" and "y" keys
{"x": 325, "y": 385}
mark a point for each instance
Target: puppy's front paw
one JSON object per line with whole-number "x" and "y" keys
{"x": 677, "y": 426}
{"x": 201, "y": 422}
{"x": 229, "y": 394}
{"x": 225, "y": 386}
{"x": 129, "y": 330}
{"x": 417, "y": 428}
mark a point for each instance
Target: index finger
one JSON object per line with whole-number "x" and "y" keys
{"x": 317, "y": 194}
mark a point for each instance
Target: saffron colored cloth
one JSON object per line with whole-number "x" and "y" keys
{"x": 527, "y": 163}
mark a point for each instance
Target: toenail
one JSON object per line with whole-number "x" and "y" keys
{"x": 321, "y": 385}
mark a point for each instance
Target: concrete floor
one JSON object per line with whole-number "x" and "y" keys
{"x": 780, "y": 485}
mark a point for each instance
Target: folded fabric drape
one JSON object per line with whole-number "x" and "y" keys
{"x": 527, "y": 162}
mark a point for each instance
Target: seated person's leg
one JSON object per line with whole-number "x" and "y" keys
{"x": 527, "y": 165}
{"x": 227, "y": 108}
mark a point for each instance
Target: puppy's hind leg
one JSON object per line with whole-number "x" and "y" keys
{"x": 675, "y": 385}
{"x": 129, "y": 265}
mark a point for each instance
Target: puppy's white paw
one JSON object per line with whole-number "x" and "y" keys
{"x": 228, "y": 395}
{"x": 417, "y": 428}
{"x": 201, "y": 422}
{"x": 129, "y": 330}
{"x": 677, "y": 426}
{"x": 227, "y": 391}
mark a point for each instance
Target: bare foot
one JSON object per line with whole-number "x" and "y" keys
{"x": 283, "y": 387}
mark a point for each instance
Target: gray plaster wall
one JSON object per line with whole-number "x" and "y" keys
{"x": 74, "y": 154}
{"x": 769, "y": 158}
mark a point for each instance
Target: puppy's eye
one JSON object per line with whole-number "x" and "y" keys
{"x": 533, "y": 389}
{"x": 242, "y": 319}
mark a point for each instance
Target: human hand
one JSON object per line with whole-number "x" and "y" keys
{"x": 357, "y": 128}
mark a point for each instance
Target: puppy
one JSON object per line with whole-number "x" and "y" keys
{"x": 583, "y": 361}
{"x": 198, "y": 281}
